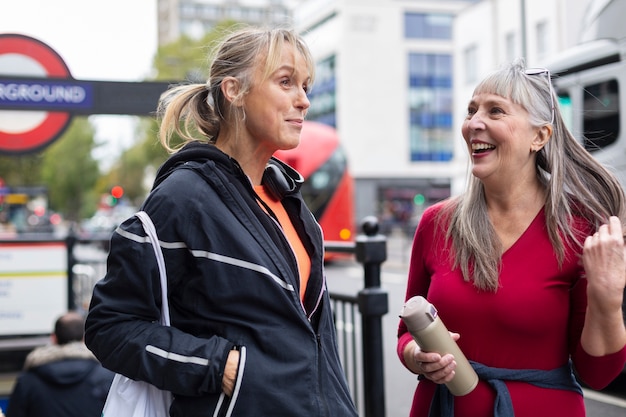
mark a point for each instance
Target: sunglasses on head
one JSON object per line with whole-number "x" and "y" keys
{"x": 542, "y": 71}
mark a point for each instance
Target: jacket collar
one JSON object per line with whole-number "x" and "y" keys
{"x": 202, "y": 152}
{"x": 194, "y": 151}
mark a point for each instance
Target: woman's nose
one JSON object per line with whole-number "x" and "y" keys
{"x": 302, "y": 101}
{"x": 475, "y": 121}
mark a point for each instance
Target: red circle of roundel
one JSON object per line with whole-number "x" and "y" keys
{"x": 55, "y": 123}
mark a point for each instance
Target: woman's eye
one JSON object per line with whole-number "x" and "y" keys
{"x": 496, "y": 110}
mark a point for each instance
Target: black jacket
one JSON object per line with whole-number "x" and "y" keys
{"x": 233, "y": 284}
{"x": 60, "y": 381}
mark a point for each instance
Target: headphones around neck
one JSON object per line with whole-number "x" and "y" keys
{"x": 277, "y": 182}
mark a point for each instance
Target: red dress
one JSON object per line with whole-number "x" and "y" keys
{"x": 533, "y": 321}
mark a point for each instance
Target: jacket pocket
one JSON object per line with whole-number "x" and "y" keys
{"x": 225, "y": 405}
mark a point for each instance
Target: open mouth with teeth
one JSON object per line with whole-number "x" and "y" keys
{"x": 481, "y": 147}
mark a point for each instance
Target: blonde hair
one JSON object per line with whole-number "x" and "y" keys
{"x": 576, "y": 184}
{"x": 192, "y": 109}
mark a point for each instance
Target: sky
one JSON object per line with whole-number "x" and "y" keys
{"x": 111, "y": 40}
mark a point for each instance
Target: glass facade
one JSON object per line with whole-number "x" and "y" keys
{"x": 430, "y": 106}
{"x": 322, "y": 95}
{"x": 430, "y": 89}
{"x": 427, "y": 26}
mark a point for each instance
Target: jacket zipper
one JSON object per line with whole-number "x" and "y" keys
{"x": 322, "y": 396}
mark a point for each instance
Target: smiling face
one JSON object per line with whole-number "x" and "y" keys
{"x": 500, "y": 138}
{"x": 276, "y": 105}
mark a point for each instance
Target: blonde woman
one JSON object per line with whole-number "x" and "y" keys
{"x": 252, "y": 329}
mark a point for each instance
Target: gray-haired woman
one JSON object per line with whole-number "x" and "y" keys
{"x": 502, "y": 262}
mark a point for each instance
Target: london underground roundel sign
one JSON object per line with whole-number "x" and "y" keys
{"x": 24, "y": 130}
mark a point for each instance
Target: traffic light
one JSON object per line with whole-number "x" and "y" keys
{"x": 116, "y": 193}
{"x": 419, "y": 199}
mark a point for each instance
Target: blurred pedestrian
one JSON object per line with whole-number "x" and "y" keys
{"x": 62, "y": 379}
{"x": 502, "y": 262}
{"x": 252, "y": 330}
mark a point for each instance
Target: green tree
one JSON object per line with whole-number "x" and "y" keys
{"x": 188, "y": 59}
{"x": 70, "y": 172}
{"x": 184, "y": 60}
{"x": 21, "y": 170}
{"x": 67, "y": 168}
{"x": 133, "y": 169}
{"x": 134, "y": 165}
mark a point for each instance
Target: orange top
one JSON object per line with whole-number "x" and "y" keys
{"x": 304, "y": 262}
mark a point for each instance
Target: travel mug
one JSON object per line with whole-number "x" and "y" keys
{"x": 431, "y": 335}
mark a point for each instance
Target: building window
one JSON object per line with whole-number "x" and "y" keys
{"x": 427, "y": 26}
{"x": 430, "y": 107}
{"x": 322, "y": 96}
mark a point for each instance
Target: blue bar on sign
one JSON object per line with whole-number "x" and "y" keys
{"x": 45, "y": 94}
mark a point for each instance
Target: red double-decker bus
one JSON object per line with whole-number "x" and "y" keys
{"x": 328, "y": 187}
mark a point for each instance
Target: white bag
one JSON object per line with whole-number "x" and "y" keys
{"x": 130, "y": 398}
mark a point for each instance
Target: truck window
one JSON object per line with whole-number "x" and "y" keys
{"x": 567, "y": 111}
{"x": 600, "y": 114}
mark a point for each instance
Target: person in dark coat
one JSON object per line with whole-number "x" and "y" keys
{"x": 63, "y": 379}
{"x": 252, "y": 331}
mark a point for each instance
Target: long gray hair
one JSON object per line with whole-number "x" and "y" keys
{"x": 575, "y": 183}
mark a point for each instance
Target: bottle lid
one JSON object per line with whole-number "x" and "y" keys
{"x": 417, "y": 313}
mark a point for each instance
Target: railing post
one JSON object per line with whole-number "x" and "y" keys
{"x": 70, "y": 242}
{"x": 371, "y": 251}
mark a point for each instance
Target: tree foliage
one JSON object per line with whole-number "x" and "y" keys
{"x": 67, "y": 168}
{"x": 184, "y": 60}
{"x": 189, "y": 59}
{"x": 129, "y": 171}
{"x": 21, "y": 170}
{"x": 70, "y": 171}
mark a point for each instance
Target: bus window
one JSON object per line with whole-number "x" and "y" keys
{"x": 322, "y": 184}
{"x": 600, "y": 115}
{"x": 567, "y": 112}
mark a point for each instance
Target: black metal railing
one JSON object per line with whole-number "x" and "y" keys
{"x": 346, "y": 315}
{"x": 370, "y": 250}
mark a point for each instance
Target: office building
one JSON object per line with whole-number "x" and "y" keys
{"x": 385, "y": 81}
{"x": 194, "y": 18}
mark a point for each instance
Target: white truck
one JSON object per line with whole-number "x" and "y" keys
{"x": 590, "y": 80}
